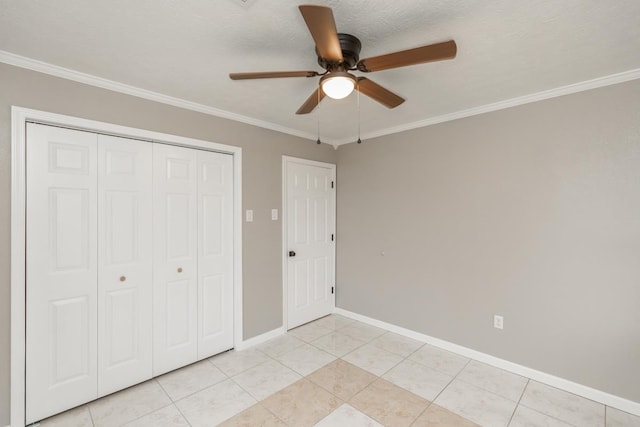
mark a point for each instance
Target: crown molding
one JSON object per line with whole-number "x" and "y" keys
{"x": 612, "y": 79}
{"x": 89, "y": 79}
{"x": 66, "y": 73}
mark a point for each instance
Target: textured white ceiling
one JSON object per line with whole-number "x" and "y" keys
{"x": 186, "y": 48}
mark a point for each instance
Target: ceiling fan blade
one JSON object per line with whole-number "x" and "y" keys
{"x": 419, "y": 55}
{"x": 378, "y": 93}
{"x": 311, "y": 102}
{"x": 271, "y": 75}
{"x": 322, "y": 26}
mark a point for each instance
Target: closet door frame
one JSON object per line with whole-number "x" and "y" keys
{"x": 19, "y": 118}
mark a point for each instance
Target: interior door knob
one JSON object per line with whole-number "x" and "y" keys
{"x": 123, "y": 278}
{"x": 179, "y": 269}
{"x": 292, "y": 253}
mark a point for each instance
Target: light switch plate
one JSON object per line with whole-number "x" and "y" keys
{"x": 274, "y": 214}
{"x": 498, "y": 322}
{"x": 249, "y": 215}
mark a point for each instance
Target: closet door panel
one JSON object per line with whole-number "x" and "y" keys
{"x": 61, "y": 253}
{"x": 215, "y": 253}
{"x": 178, "y": 314}
{"x": 125, "y": 262}
{"x": 175, "y": 258}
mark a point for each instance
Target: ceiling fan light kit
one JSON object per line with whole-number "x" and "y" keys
{"x": 339, "y": 53}
{"x": 338, "y": 84}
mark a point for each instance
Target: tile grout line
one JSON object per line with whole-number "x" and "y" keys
{"x": 489, "y": 391}
{"x": 407, "y": 357}
{"x": 518, "y": 403}
{"x": 302, "y": 377}
{"x": 380, "y": 377}
{"x": 93, "y": 424}
{"x": 339, "y": 357}
{"x": 271, "y": 412}
{"x": 292, "y": 349}
{"x": 549, "y": 416}
{"x": 157, "y": 409}
{"x": 273, "y": 359}
{"x": 421, "y": 413}
{"x": 91, "y": 414}
{"x": 184, "y": 417}
{"x": 403, "y": 358}
{"x": 143, "y": 415}
{"x": 524, "y": 389}
{"x": 255, "y": 397}
{"x": 195, "y": 392}
{"x": 443, "y": 388}
{"x": 174, "y": 402}
{"x": 568, "y": 392}
{"x": 456, "y": 377}
{"x": 449, "y": 383}
{"x": 244, "y": 370}
{"x": 243, "y": 389}
{"x": 366, "y": 387}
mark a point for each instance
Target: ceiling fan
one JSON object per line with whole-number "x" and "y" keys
{"x": 339, "y": 53}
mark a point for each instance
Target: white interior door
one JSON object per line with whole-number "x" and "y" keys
{"x": 175, "y": 258}
{"x": 310, "y": 237}
{"x": 215, "y": 253}
{"x": 61, "y": 289}
{"x": 125, "y": 249}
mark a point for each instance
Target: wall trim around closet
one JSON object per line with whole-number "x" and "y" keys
{"x": 19, "y": 118}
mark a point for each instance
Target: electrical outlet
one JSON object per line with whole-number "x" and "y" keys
{"x": 498, "y": 322}
{"x": 249, "y": 215}
{"x": 274, "y": 214}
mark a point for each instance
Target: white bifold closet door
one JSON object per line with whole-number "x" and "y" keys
{"x": 89, "y": 267}
{"x": 215, "y": 253}
{"x": 193, "y": 263}
{"x": 129, "y": 250}
{"x": 175, "y": 258}
{"x": 62, "y": 273}
{"x": 125, "y": 263}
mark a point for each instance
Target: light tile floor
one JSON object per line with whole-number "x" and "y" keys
{"x": 339, "y": 372}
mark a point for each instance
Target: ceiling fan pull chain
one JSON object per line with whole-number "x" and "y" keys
{"x": 318, "y": 113}
{"x": 359, "y": 141}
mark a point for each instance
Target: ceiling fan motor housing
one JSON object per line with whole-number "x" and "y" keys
{"x": 350, "y": 46}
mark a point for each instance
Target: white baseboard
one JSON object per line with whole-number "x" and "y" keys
{"x": 259, "y": 339}
{"x": 561, "y": 383}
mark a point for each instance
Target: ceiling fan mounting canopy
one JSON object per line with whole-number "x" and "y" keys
{"x": 350, "y": 47}
{"x": 339, "y": 53}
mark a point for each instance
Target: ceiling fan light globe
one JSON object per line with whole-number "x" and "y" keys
{"x": 338, "y": 85}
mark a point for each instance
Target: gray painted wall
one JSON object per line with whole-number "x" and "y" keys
{"x": 531, "y": 212}
{"x": 262, "y": 166}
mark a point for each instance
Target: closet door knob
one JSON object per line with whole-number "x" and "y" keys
{"x": 123, "y": 278}
{"x": 179, "y": 269}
